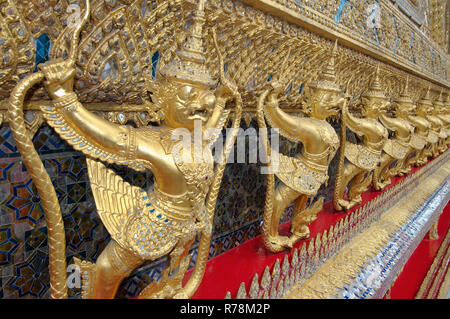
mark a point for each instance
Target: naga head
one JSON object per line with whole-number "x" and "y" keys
{"x": 325, "y": 98}
{"x": 374, "y": 101}
{"x": 184, "y": 91}
{"x": 403, "y": 105}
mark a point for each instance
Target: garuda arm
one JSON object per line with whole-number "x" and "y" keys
{"x": 288, "y": 125}
{"x": 85, "y": 131}
{"x": 363, "y": 127}
{"x": 96, "y": 136}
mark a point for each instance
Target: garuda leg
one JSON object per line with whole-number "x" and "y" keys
{"x": 104, "y": 277}
{"x": 383, "y": 178}
{"x": 350, "y": 171}
{"x": 284, "y": 196}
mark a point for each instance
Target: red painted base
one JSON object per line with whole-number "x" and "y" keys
{"x": 228, "y": 270}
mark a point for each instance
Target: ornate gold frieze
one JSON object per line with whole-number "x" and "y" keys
{"x": 115, "y": 55}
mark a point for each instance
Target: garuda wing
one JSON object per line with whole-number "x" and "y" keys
{"x": 116, "y": 199}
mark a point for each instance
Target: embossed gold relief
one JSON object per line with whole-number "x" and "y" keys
{"x": 437, "y": 13}
{"x": 301, "y": 176}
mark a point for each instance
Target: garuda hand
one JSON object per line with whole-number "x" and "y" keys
{"x": 59, "y": 78}
{"x": 228, "y": 89}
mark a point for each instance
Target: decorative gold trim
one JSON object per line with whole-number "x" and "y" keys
{"x": 320, "y": 24}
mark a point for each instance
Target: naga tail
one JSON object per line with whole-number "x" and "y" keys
{"x": 270, "y": 189}
{"x": 34, "y": 165}
{"x": 338, "y": 183}
{"x": 44, "y": 186}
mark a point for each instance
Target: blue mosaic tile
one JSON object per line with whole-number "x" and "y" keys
{"x": 42, "y": 45}
{"x": 24, "y": 202}
{"x": 76, "y": 193}
{"x": 31, "y": 278}
{"x": 36, "y": 239}
{"x": 80, "y": 224}
{"x": 8, "y": 245}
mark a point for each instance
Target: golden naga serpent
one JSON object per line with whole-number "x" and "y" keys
{"x": 270, "y": 188}
{"x": 34, "y": 165}
{"x": 340, "y": 168}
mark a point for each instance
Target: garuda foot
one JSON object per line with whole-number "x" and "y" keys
{"x": 345, "y": 204}
{"x": 181, "y": 294}
{"x": 168, "y": 286}
{"x": 299, "y": 233}
{"x": 380, "y": 185}
{"x": 280, "y": 243}
{"x": 355, "y": 201}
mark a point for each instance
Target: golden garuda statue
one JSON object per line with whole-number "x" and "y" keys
{"x": 143, "y": 226}
{"x": 444, "y": 116}
{"x": 438, "y": 106}
{"x": 423, "y": 110}
{"x": 404, "y": 108}
{"x": 422, "y": 131}
{"x": 396, "y": 148}
{"x": 362, "y": 159}
{"x": 300, "y": 176}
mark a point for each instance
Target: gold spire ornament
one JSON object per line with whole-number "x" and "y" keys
{"x": 300, "y": 176}
{"x": 189, "y": 64}
{"x": 144, "y": 226}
